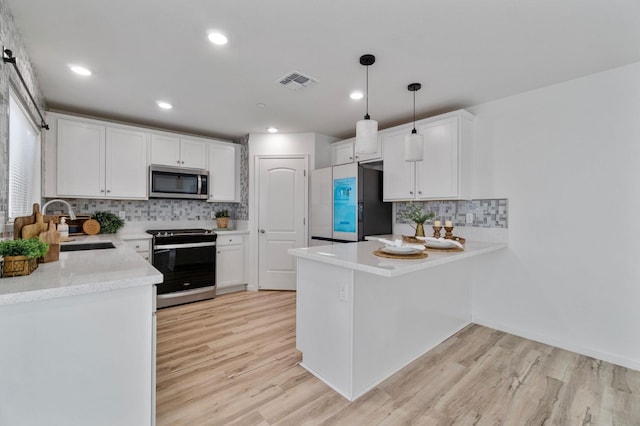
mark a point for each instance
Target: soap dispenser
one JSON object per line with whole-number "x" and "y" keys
{"x": 63, "y": 228}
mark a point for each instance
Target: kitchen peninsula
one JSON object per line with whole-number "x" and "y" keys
{"x": 78, "y": 340}
{"x": 361, "y": 318}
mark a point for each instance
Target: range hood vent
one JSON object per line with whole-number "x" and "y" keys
{"x": 296, "y": 80}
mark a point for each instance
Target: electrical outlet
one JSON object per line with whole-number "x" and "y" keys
{"x": 470, "y": 217}
{"x": 122, "y": 214}
{"x": 344, "y": 292}
{"x": 213, "y": 214}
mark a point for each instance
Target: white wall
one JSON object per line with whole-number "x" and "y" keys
{"x": 568, "y": 159}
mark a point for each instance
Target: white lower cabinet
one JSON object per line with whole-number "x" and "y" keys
{"x": 230, "y": 263}
{"x": 141, "y": 246}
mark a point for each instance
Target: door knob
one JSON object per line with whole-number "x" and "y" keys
{"x": 262, "y": 231}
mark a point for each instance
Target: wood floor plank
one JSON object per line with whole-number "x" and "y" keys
{"x": 232, "y": 361}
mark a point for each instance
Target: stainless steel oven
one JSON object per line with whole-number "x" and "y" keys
{"x": 187, "y": 260}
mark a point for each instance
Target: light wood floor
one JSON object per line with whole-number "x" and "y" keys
{"x": 232, "y": 361}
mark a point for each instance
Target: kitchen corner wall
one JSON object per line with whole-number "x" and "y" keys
{"x": 8, "y": 77}
{"x": 159, "y": 209}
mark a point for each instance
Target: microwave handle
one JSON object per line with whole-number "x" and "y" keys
{"x": 199, "y": 184}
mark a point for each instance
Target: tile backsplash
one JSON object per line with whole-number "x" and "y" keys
{"x": 487, "y": 213}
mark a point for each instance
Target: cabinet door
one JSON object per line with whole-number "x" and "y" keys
{"x": 230, "y": 265}
{"x": 399, "y": 175}
{"x": 223, "y": 172}
{"x": 80, "y": 159}
{"x": 126, "y": 164}
{"x": 375, "y": 156}
{"x": 165, "y": 150}
{"x": 342, "y": 152}
{"x": 193, "y": 154}
{"x": 437, "y": 173}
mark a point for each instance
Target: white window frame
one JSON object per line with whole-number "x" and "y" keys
{"x": 35, "y": 163}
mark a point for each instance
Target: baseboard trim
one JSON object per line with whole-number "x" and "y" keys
{"x": 590, "y": 352}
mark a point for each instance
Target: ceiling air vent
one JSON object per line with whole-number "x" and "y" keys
{"x": 295, "y": 80}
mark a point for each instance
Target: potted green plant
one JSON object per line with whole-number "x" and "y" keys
{"x": 21, "y": 256}
{"x": 109, "y": 222}
{"x": 222, "y": 218}
{"x": 417, "y": 214}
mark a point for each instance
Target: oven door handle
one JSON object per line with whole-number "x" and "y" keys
{"x": 160, "y": 251}
{"x": 184, "y": 246}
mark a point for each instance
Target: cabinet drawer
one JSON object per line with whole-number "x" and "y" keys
{"x": 139, "y": 245}
{"x": 227, "y": 240}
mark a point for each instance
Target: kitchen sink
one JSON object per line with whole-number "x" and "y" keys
{"x": 87, "y": 246}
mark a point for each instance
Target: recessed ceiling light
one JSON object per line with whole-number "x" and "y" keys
{"x": 79, "y": 70}
{"x": 272, "y": 130}
{"x": 164, "y": 105}
{"x": 356, "y": 95}
{"x": 260, "y": 105}
{"x": 218, "y": 38}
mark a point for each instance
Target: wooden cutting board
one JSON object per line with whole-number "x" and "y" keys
{"x": 22, "y": 221}
{"x": 91, "y": 227}
{"x": 51, "y": 237}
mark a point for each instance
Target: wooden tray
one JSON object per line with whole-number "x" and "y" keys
{"x": 444, "y": 250}
{"x": 414, "y": 256}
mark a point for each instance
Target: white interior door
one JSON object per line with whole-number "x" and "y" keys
{"x": 281, "y": 220}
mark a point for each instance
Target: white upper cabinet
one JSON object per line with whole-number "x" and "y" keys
{"x": 193, "y": 153}
{"x": 80, "y": 159}
{"x": 399, "y": 175}
{"x": 343, "y": 152}
{"x": 96, "y": 161}
{"x": 176, "y": 151}
{"x": 224, "y": 172}
{"x": 126, "y": 163}
{"x": 446, "y": 170}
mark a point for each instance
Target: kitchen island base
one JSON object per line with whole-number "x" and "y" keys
{"x": 356, "y": 328}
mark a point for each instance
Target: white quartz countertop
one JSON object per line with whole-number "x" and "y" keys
{"x": 81, "y": 272}
{"x": 359, "y": 256}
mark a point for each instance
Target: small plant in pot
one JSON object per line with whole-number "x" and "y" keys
{"x": 416, "y": 214}
{"x": 109, "y": 222}
{"x": 21, "y": 256}
{"x": 222, "y": 218}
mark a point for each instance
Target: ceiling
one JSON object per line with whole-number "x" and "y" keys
{"x": 464, "y": 52}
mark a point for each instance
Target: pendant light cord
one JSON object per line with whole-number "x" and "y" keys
{"x": 414, "y": 113}
{"x": 366, "y": 116}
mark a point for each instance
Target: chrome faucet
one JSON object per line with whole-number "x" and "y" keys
{"x": 72, "y": 215}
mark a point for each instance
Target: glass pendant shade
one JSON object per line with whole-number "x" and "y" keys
{"x": 366, "y": 136}
{"x": 413, "y": 147}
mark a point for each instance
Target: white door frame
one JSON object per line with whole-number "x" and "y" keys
{"x": 253, "y": 212}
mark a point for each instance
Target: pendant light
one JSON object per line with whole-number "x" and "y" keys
{"x": 413, "y": 141}
{"x": 367, "y": 129}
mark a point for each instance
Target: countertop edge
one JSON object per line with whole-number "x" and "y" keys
{"x": 415, "y": 265}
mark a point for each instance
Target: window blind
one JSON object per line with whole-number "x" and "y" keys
{"x": 24, "y": 160}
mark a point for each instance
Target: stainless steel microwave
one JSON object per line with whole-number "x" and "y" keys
{"x": 178, "y": 182}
